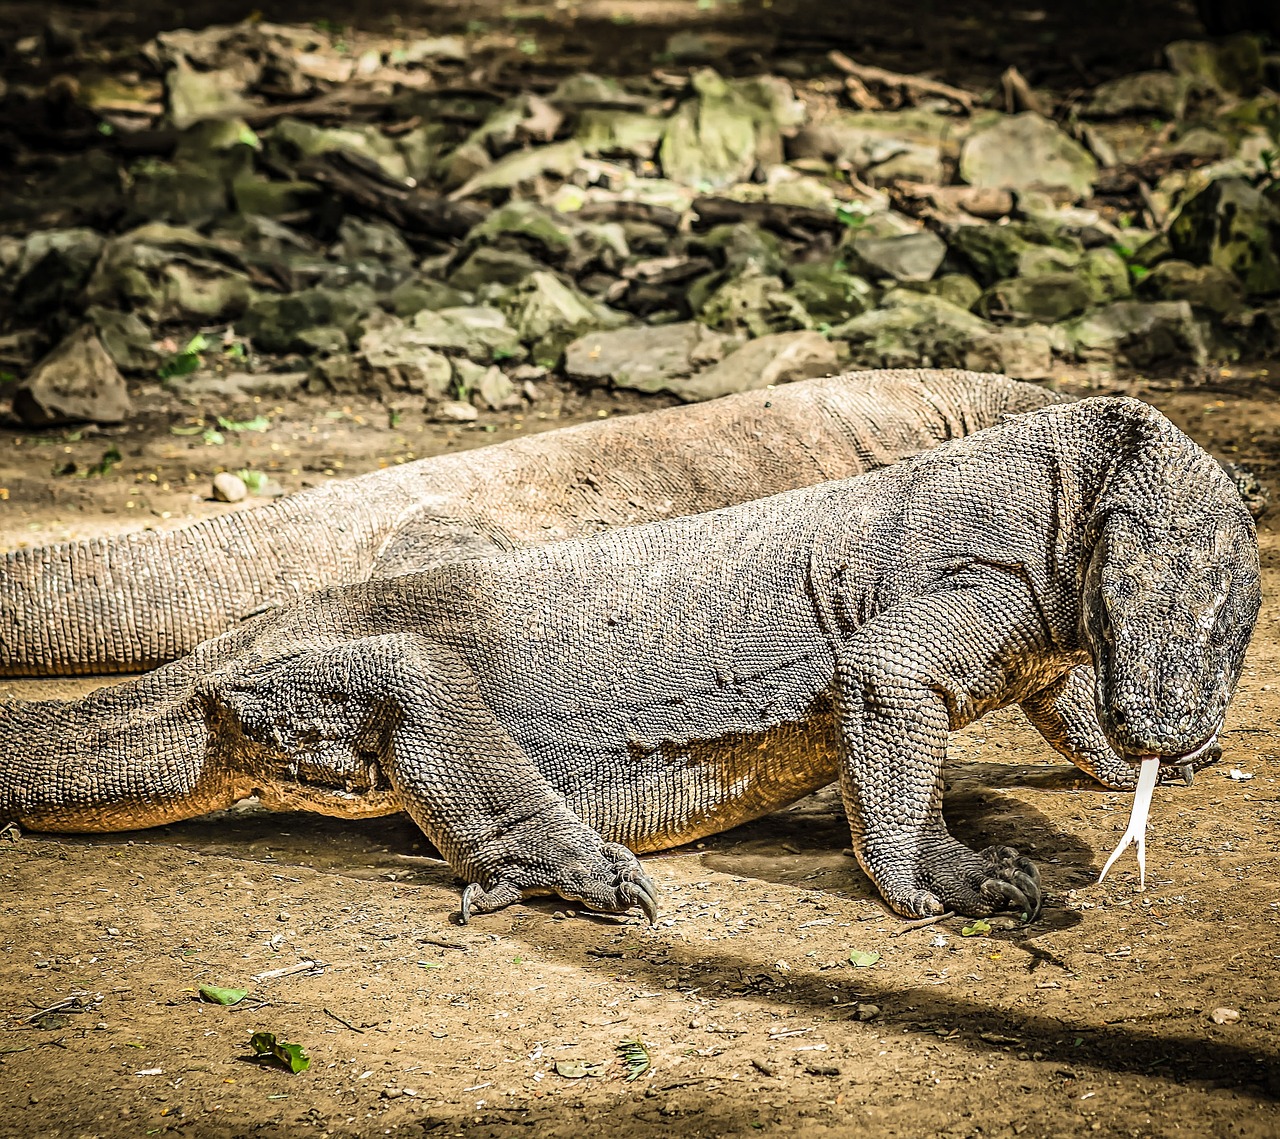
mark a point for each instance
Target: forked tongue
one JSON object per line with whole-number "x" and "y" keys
{"x": 1136, "y": 831}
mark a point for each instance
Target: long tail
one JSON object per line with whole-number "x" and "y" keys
{"x": 123, "y": 604}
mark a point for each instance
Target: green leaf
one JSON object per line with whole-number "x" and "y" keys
{"x": 1137, "y": 272}
{"x": 213, "y": 438}
{"x": 635, "y": 1059}
{"x": 247, "y": 137}
{"x": 111, "y": 457}
{"x": 578, "y": 1069}
{"x": 218, "y": 996}
{"x": 254, "y": 481}
{"x": 106, "y": 129}
{"x": 977, "y": 929}
{"x": 8, "y": 378}
{"x": 291, "y": 1056}
{"x": 257, "y": 423}
{"x": 851, "y": 218}
{"x": 186, "y": 430}
{"x": 863, "y": 959}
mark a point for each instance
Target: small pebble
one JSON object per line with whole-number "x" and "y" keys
{"x": 229, "y": 488}
{"x": 454, "y": 411}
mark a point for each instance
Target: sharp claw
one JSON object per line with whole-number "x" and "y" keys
{"x": 1188, "y": 774}
{"x": 464, "y": 910}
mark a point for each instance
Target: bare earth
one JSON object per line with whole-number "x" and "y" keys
{"x": 1098, "y": 1019}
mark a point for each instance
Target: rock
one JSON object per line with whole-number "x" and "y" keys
{"x": 625, "y": 134}
{"x": 323, "y": 340}
{"x": 401, "y": 358}
{"x": 478, "y": 332}
{"x": 495, "y": 389}
{"x": 1143, "y": 93}
{"x": 830, "y": 295}
{"x": 170, "y": 274}
{"x": 1105, "y": 274}
{"x": 778, "y": 358}
{"x": 293, "y": 139}
{"x": 493, "y": 267}
{"x": 740, "y": 246}
{"x": 548, "y": 234}
{"x": 232, "y": 386}
{"x": 997, "y": 252}
{"x": 1204, "y": 286}
{"x": 126, "y": 339}
{"x": 454, "y": 411}
{"x": 51, "y": 269}
{"x": 1019, "y": 353}
{"x": 184, "y": 193}
{"x": 1139, "y": 333}
{"x": 420, "y": 293}
{"x": 77, "y": 381}
{"x": 1047, "y": 298}
{"x": 1233, "y": 226}
{"x": 911, "y": 257}
{"x": 1027, "y": 150}
{"x": 730, "y": 127}
{"x": 911, "y": 330}
{"x": 881, "y": 145}
{"x": 274, "y": 322}
{"x": 961, "y": 290}
{"x": 755, "y": 304}
{"x": 196, "y": 95}
{"x": 1234, "y": 66}
{"x": 375, "y": 240}
{"x": 560, "y": 159}
{"x": 548, "y": 314}
{"x": 270, "y": 199}
{"x": 229, "y": 488}
{"x": 648, "y": 358}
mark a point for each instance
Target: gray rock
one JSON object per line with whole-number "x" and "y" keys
{"x": 495, "y": 390}
{"x": 778, "y": 358}
{"x": 1139, "y": 333}
{"x": 1204, "y": 286}
{"x": 50, "y": 269}
{"x": 421, "y": 293}
{"x": 197, "y": 95}
{"x": 375, "y": 240}
{"x": 1047, "y": 298}
{"x": 126, "y": 339}
{"x": 560, "y": 159}
{"x": 170, "y": 274}
{"x": 229, "y": 488}
{"x": 477, "y": 332}
{"x": 1234, "y": 66}
{"x": 454, "y": 411}
{"x": 274, "y": 322}
{"x": 400, "y": 357}
{"x": 75, "y": 382}
{"x": 548, "y": 314}
{"x": 648, "y": 358}
{"x": 184, "y": 193}
{"x": 912, "y": 330}
{"x": 1233, "y": 226}
{"x": 911, "y": 257}
{"x": 754, "y": 304}
{"x": 322, "y": 340}
{"x": 1019, "y": 353}
{"x": 1105, "y": 273}
{"x": 293, "y": 139}
{"x": 490, "y": 267}
{"x": 232, "y": 386}
{"x": 994, "y": 252}
{"x": 261, "y": 197}
{"x": 830, "y": 295}
{"x": 1027, "y": 150}
{"x": 619, "y": 134}
{"x": 1143, "y": 93}
{"x": 881, "y": 145}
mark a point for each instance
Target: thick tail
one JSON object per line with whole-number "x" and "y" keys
{"x": 138, "y": 754}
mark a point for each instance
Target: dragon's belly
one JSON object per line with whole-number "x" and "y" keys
{"x": 658, "y": 798}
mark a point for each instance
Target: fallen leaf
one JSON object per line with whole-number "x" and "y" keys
{"x": 863, "y": 959}
{"x": 291, "y": 1056}
{"x": 578, "y": 1069}
{"x": 218, "y": 996}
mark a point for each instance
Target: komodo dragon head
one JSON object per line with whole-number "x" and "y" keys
{"x": 1170, "y": 593}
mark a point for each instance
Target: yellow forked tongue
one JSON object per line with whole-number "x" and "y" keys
{"x": 1136, "y": 831}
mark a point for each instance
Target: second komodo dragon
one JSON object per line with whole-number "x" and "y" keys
{"x": 543, "y": 714}
{"x": 126, "y": 603}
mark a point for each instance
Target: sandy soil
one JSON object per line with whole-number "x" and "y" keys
{"x": 1098, "y": 1019}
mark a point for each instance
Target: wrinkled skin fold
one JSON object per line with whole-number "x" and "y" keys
{"x": 546, "y": 714}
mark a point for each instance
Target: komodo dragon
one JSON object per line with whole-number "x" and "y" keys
{"x": 122, "y": 604}
{"x": 543, "y": 713}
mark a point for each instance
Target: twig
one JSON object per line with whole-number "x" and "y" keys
{"x": 440, "y": 941}
{"x": 308, "y": 966}
{"x": 921, "y": 923}
{"x": 915, "y": 85}
{"x": 347, "y": 1023}
{"x": 1018, "y": 95}
{"x": 11, "y": 832}
{"x": 76, "y": 1003}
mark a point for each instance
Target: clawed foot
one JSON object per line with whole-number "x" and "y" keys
{"x": 998, "y": 878}
{"x": 613, "y": 881}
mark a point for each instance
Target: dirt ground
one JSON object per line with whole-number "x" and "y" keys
{"x": 1097, "y": 1019}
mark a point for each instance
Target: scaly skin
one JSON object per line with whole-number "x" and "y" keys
{"x": 545, "y": 713}
{"x": 126, "y": 603}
